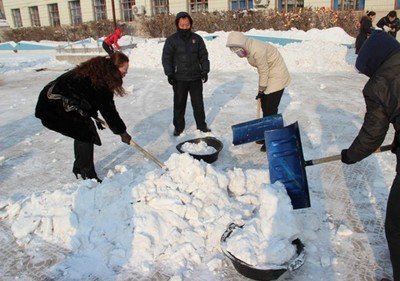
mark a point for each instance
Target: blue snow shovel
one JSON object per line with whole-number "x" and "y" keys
{"x": 287, "y": 165}
{"x": 254, "y": 130}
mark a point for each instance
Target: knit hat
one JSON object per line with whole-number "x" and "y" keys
{"x": 375, "y": 51}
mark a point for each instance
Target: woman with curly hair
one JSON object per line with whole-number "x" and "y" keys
{"x": 68, "y": 104}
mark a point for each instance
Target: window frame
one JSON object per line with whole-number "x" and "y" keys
{"x": 75, "y": 12}
{"x": 17, "y": 19}
{"x": 285, "y": 6}
{"x": 160, "y": 7}
{"x": 240, "y": 5}
{"x": 99, "y": 10}
{"x": 127, "y": 9}
{"x": 340, "y": 5}
{"x": 197, "y": 6}
{"x": 34, "y": 15}
{"x": 54, "y": 14}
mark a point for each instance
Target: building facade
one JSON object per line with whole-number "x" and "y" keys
{"x": 27, "y": 13}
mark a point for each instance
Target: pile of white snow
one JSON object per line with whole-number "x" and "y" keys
{"x": 267, "y": 238}
{"x": 172, "y": 219}
{"x": 200, "y": 148}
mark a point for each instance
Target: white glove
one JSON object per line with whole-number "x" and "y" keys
{"x": 386, "y": 28}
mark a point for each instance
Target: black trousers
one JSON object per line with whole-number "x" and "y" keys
{"x": 108, "y": 49}
{"x": 84, "y": 164}
{"x": 181, "y": 90}
{"x": 392, "y": 222}
{"x": 270, "y": 103}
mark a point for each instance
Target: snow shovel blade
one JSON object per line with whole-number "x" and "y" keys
{"x": 286, "y": 163}
{"x": 254, "y": 130}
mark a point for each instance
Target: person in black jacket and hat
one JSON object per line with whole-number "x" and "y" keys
{"x": 390, "y": 23}
{"x": 68, "y": 104}
{"x": 365, "y": 29}
{"x": 186, "y": 64}
{"x": 379, "y": 59}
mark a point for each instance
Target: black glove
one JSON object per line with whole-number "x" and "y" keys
{"x": 345, "y": 159}
{"x": 204, "y": 77}
{"x": 260, "y": 95}
{"x": 99, "y": 125}
{"x": 125, "y": 137}
{"x": 171, "y": 79}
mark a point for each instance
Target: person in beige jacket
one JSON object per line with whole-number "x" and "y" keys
{"x": 273, "y": 75}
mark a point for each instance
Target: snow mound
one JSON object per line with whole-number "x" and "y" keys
{"x": 171, "y": 220}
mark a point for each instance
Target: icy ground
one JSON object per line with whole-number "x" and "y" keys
{"x": 343, "y": 230}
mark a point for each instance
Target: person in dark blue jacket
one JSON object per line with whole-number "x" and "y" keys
{"x": 186, "y": 64}
{"x": 379, "y": 59}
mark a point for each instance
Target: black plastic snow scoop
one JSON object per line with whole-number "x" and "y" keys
{"x": 287, "y": 165}
{"x": 265, "y": 273}
{"x": 147, "y": 154}
{"x": 210, "y": 141}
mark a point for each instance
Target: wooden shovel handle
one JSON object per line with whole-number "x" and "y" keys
{"x": 339, "y": 157}
{"x": 147, "y": 154}
{"x": 258, "y": 108}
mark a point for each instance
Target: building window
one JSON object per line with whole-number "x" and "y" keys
{"x": 34, "y": 15}
{"x": 290, "y": 5}
{"x": 348, "y": 5}
{"x": 16, "y": 14}
{"x": 160, "y": 7}
{"x": 99, "y": 7}
{"x": 54, "y": 15}
{"x": 242, "y": 4}
{"x": 75, "y": 12}
{"x": 198, "y": 6}
{"x": 126, "y": 10}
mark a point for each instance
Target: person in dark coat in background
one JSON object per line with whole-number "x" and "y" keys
{"x": 390, "y": 23}
{"x": 365, "y": 29}
{"x": 68, "y": 104}
{"x": 186, "y": 64}
{"x": 379, "y": 59}
{"x": 110, "y": 43}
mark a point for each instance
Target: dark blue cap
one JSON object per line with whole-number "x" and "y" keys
{"x": 375, "y": 51}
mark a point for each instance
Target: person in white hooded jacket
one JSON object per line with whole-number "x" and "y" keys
{"x": 273, "y": 75}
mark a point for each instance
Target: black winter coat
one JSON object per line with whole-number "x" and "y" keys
{"x": 392, "y": 24}
{"x": 67, "y": 104}
{"x": 382, "y": 98}
{"x": 185, "y": 58}
{"x": 365, "y": 31}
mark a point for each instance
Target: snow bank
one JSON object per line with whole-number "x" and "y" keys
{"x": 173, "y": 220}
{"x": 148, "y": 54}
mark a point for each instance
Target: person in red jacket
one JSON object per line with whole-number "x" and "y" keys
{"x": 111, "y": 41}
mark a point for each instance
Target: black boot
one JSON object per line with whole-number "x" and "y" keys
{"x": 83, "y": 164}
{"x": 205, "y": 130}
{"x": 177, "y": 132}
{"x": 90, "y": 175}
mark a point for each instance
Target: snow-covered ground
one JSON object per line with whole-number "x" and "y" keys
{"x": 146, "y": 223}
